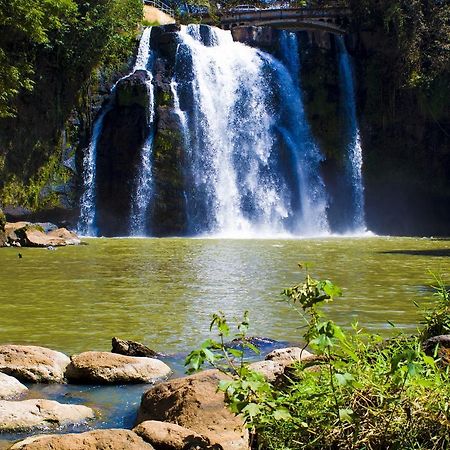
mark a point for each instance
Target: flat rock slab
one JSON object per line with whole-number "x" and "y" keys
{"x": 105, "y": 367}
{"x": 194, "y": 403}
{"x": 32, "y": 363}
{"x": 169, "y": 436}
{"x": 10, "y": 387}
{"x": 37, "y": 414}
{"x": 91, "y": 440}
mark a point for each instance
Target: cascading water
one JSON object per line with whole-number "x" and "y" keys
{"x": 251, "y": 165}
{"x": 354, "y": 149}
{"x": 144, "y": 180}
{"x": 87, "y": 222}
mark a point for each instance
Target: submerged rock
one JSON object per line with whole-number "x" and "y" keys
{"x": 10, "y": 387}
{"x": 195, "y": 403}
{"x": 32, "y": 414}
{"x": 91, "y": 440}
{"x": 132, "y": 348}
{"x": 105, "y": 367}
{"x": 32, "y": 363}
{"x": 169, "y": 436}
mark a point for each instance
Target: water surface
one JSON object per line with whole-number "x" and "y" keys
{"x": 163, "y": 291}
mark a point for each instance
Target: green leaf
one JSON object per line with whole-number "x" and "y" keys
{"x": 346, "y": 415}
{"x": 252, "y": 410}
{"x": 282, "y": 414}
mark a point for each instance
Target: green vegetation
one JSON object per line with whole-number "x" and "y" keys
{"x": 54, "y": 54}
{"x": 359, "y": 392}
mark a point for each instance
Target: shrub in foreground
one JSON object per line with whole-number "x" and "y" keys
{"x": 363, "y": 393}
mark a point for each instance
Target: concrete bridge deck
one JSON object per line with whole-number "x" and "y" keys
{"x": 327, "y": 19}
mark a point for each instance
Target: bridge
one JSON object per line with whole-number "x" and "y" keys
{"x": 331, "y": 19}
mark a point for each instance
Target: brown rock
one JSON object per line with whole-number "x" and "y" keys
{"x": 32, "y": 363}
{"x": 271, "y": 370}
{"x": 194, "y": 402}
{"x": 169, "y": 436}
{"x": 33, "y": 237}
{"x": 105, "y": 367}
{"x": 69, "y": 237}
{"x": 12, "y": 227}
{"x": 91, "y": 440}
{"x": 35, "y": 414}
{"x": 10, "y": 387}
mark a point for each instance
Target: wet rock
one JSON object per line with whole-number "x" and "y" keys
{"x": 105, "y": 367}
{"x": 10, "y": 387}
{"x": 32, "y": 414}
{"x": 289, "y": 355}
{"x": 69, "y": 237}
{"x": 47, "y": 226}
{"x": 91, "y": 440}
{"x": 169, "y": 436}
{"x": 131, "y": 348}
{"x": 194, "y": 402}
{"x": 32, "y": 363}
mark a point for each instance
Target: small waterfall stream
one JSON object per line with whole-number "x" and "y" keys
{"x": 144, "y": 180}
{"x": 354, "y": 149}
{"x": 87, "y": 221}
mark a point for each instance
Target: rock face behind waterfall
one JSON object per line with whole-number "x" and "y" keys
{"x": 125, "y": 130}
{"x": 168, "y": 208}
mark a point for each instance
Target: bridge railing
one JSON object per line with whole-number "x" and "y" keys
{"x": 161, "y": 6}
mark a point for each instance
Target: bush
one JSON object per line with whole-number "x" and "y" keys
{"x": 363, "y": 393}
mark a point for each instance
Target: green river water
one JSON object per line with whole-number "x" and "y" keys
{"x": 163, "y": 291}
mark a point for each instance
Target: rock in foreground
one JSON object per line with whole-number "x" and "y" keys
{"x": 194, "y": 402}
{"x": 10, "y": 387}
{"x": 91, "y": 440}
{"x": 32, "y": 363}
{"x": 37, "y": 414}
{"x": 289, "y": 355}
{"x": 169, "y": 436}
{"x": 105, "y": 367}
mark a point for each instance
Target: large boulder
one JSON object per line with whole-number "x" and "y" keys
{"x": 105, "y": 367}
{"x": 10, "y": 387}
{"x": 34, "y": 414}
{"x": 169, "y": 436}
{"x": 33, "y": 236}
{"x": 195, "y": 403}
{"x": 270, "y": 370}
{"x": 32, "y": 363}
{"x": 91, "y": 440}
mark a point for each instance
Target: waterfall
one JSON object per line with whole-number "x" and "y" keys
{"x": 251, "y": 165}
{"x": 144, "y": 180}
{"x": 87, "y": 221}
{"x": 354, "y": 149}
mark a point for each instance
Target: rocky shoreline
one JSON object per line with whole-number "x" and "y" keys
{"x": 175, "y": 414}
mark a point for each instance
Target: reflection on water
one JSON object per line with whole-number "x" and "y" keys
{"x": 163, "y": 291}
